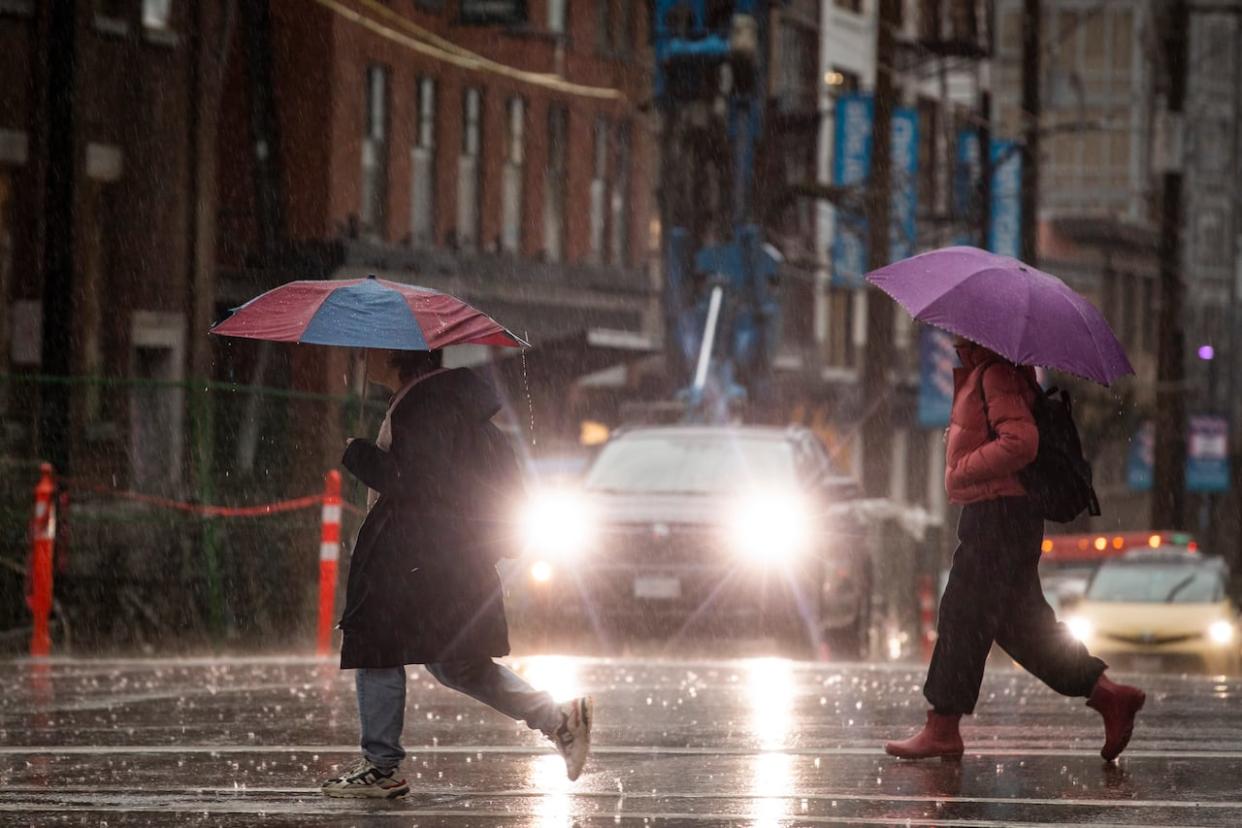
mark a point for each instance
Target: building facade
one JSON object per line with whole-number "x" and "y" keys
{"x": 508, "y": 161}
{"x": 139, "y": 270}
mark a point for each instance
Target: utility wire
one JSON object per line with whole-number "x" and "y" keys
{"x": 458, "y": 56}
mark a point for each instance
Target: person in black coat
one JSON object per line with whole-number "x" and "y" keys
{"x": 423, "y": 587}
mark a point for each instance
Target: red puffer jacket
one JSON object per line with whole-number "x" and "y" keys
{"x": 978, "y": 467}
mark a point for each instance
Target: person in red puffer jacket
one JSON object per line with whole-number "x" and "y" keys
{"x": 993, "y": 593}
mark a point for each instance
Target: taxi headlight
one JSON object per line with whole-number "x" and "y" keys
{"x": 770, "y": 528}
{"x": 556, "y": 525}
{"x": 1080, "y": 627}
{"x": 1221, "y": 632}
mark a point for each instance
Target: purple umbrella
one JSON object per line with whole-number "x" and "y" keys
{"x": 1021, "y": 313}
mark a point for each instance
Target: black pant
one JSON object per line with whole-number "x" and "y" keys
{"x": 993, "y": 594}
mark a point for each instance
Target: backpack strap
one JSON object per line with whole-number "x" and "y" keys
{"x": 987, "y": 418}
{"x": 1039, "y": 392}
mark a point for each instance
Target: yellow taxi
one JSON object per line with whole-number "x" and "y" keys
{"x": 1162, "y": 609}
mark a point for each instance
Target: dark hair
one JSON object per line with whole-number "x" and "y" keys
{"x": 410, "y": 364}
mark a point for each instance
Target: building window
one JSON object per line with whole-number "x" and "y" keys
{"x": 1213, "y": 241}
{"x": 599, "y": 191}
{"x": 156, "y": 414}
{"x": 554, "y": 184}
{"x": 515, "y": 164}
{"x": 468, "y": 164}
{"x": 619, "y": 213}
{"x": 840, "y": 342}
{"x": 156, "y": 14}
{"x": 423, "y": 168}
{"x": 855, "y": 6}
{"x": 614, "y": 33}
{"x": 797, "y": 64}
{"x": 375, "y": 153}
{"x": 557, "y": 14}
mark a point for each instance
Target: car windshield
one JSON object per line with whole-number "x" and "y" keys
{"x": 1151, "y": 583}
{"x": 691, "y": 464}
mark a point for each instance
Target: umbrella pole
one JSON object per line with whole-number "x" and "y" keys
{"x": 362, "y": 396}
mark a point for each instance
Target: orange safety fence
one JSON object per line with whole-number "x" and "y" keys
{"x": 39, "y": 597}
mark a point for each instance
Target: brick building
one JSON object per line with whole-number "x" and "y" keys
{"x": 140, "y": 79}
{"x": 519, "y": 180}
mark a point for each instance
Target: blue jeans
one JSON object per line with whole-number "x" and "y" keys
{"x": 381, "y": 702}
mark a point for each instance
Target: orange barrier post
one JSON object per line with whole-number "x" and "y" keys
{"x": 329, "y": 554}
{"x": 40, "y": 598}
{"x": 927, "y": 615}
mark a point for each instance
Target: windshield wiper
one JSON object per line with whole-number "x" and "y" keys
{"x": 1179, "y": 586}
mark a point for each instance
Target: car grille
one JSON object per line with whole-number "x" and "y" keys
{"x": 662, "y": 545}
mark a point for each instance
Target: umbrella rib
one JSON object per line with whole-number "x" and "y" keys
{"x": 1104, "y": 363}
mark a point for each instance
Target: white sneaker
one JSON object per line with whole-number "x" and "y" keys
{"x": 365, "y": 781}
{"x": 573, "y": 737}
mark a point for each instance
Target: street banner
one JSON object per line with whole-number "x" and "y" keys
{"x": 851, "y": 166}
{"x": 1142, "y": 459}
{"x": 936, "y": 362}
{"x": 1207, "y": 454}
{"x": 1005, "y": 219}
{"x": 1005, "y": 211}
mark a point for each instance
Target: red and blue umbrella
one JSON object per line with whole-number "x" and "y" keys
{"x": 365, "y": 313}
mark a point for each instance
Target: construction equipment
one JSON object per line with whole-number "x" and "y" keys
{"x": 722, "y": 317}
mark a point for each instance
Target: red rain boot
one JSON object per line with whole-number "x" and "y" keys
{"x": 939, "y": 737}
{"x": 1118, "y": 704}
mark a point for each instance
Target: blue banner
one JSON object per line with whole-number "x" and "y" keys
{"x": 1207, "y": 454}
{"x": 1141, "y": 462}
{"x": 851, "y": 161}
{"x": 851, "y": 165}
{"x": 1005, "y": 221}
{"x": 937, "y": 359}
{"x": 903, "y": 235}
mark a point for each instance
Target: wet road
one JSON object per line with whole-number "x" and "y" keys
{"x": 750, "y": 742}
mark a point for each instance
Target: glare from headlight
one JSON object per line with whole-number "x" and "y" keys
{"x": 1080, "y": 627}
{"x": 556, "y": 524}
{"x": 1221, "y": 632}
{"x": 770, "y": 528}
{"x": 541, "y": 572}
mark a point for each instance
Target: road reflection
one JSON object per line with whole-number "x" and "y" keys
{"x": 770, "y": 694}
{"x": 559, "y": 676}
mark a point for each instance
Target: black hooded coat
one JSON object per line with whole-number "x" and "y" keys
{"x": 423, "y": 586}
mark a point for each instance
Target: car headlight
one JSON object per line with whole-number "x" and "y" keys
{"x": 541, "y": 572}
{"x": 556, "y": 525}
{"x": 1221, "y": 632}
{"x": 770, "y": 528}
{"x": 1080, "y": 627}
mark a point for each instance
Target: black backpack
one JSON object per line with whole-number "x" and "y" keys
{"x": 1059, "y": 478}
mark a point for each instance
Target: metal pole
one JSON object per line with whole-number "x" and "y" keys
{"x": 709, "y": 338}
{"x": 58, "y": 287}
{"x": 1168, "y": 504}
{"x": 1031, "y": 110}
{"x": 877, "y": 428}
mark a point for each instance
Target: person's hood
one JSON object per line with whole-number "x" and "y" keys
{"x": 462, "y": 389}
{"x": 972, "y": 355}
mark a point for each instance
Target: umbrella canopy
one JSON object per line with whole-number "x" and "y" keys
{"x": 1025, "y": 315}
{"x": 365, "y": 313}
